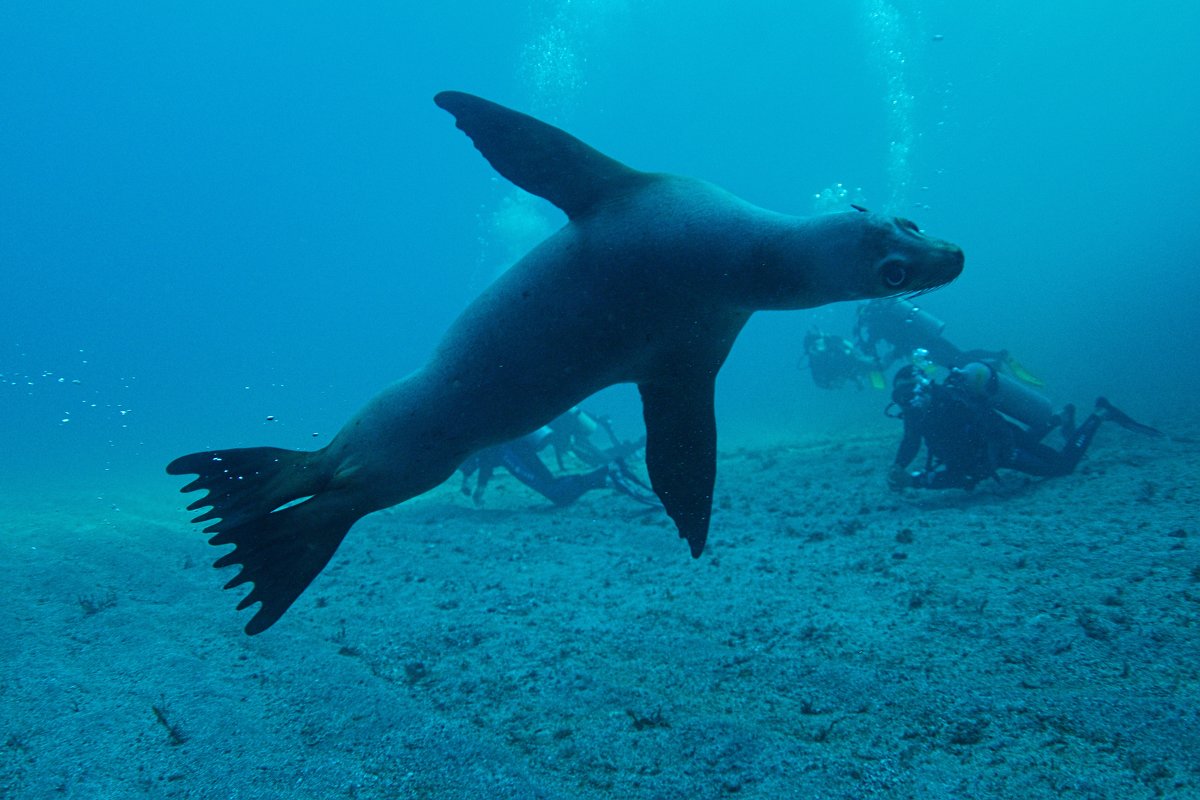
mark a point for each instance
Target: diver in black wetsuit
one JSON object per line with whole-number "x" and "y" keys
{"x": 567, "y": 434}
{"x": 967, "y": 439}
{"x": 905, "y": 327}
{"x": 888, "y": 330}
{"x": 835, "y": 361}
{"x": 572, "y": 433}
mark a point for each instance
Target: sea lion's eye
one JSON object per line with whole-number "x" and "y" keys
{"x": 908, "y": 223}
{"x": 894, "y": 274}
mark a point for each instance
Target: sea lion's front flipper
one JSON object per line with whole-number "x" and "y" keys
{"x": 681, "y": 453}
{"x": 539, "y": 158}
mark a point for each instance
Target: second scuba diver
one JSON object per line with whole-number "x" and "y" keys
{"x": 887, "y": 331}
{"x": 569, "y": 433}
{"x": 966, "y": 423}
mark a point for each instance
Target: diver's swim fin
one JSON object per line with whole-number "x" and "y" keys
{"x": 1111, "y": 412}
{"x": 1018, "y": 370}
{"x": 626, "y": 482}
{"x": 274, "y": 507}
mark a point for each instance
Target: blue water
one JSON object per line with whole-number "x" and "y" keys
{"x": 228, "y": 224}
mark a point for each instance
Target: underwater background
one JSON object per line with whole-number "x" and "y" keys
{"x": 230, "y": 224}
{"x": 212, "y": 216}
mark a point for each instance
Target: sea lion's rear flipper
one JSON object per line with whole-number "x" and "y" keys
{"x": 539, "y": 158}
{"x": 681, "y": 453}
{"x": 272, "y": 506}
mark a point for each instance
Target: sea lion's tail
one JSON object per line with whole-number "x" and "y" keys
{"x": 274, "y": 507}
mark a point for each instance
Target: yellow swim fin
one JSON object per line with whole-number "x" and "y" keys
{"x": 877, "y": 381}
{"x": 1021, "y": 373}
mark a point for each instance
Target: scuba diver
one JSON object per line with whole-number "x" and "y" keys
{"x": 905, "y": 327}
{"x": 969, "y": 424}
{"x": 572, "y": 433}
{"x": 835, "y": 361}
{"x": 886, "y": 331}
{"x": 569, "y": 433}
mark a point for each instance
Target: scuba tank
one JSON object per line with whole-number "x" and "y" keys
{"x": 1007, "y": 395}
{"x": 898, "y": 321}
{"x": 904, "y": 326}
{"x": 539, "y": 437}
{"x": 587, "y": 425}
{"x": 920, "y": 322}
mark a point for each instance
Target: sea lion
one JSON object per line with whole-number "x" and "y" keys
{"x": 649, "y": 282}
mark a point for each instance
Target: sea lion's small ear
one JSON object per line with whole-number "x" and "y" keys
{"x": 858, "y": 208}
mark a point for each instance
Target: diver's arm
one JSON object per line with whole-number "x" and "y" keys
{"x": 481, "y": 482}
{"x": 898, "y": 477}
{"x": 910, "y": 445}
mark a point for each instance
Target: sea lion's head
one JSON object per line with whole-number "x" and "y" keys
{"x": 900, "y": 258}
{"x": 855, "y": 255}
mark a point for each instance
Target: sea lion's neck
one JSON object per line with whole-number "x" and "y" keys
{"x": 800, "y": 262}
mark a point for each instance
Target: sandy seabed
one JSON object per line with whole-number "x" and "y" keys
{"x": 1030, "y": 639}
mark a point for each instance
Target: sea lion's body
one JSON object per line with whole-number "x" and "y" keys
{"x": 564, "y": 322}
{"x": 649, "y": 282}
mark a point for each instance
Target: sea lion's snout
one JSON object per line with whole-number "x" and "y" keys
{"x": 954, "y": 260}
{"x": 940, "y": 262}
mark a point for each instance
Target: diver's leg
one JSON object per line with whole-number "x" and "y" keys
{"x": 1038, "y": 459}
{"x": 1066, "y": 421}
{"x": 566, "y": 489}
{"x": 521, "y": 459}
{"x": 626, "y": 482}
{"x": 1043, "y": 461}
{"x": 481, "y": 482}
